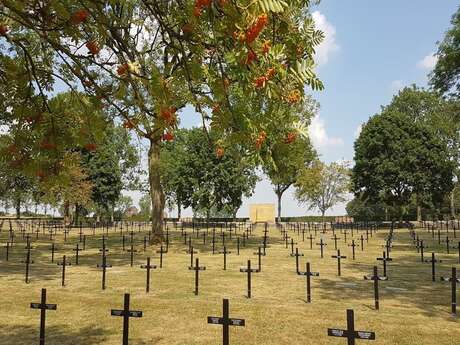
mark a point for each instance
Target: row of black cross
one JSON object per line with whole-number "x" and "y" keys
{"x": 225, "y": 320}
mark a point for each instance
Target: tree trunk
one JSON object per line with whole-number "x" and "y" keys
{"x": 322, "y": 216}
{"x": 66, "y": 213}
{"x": 279, "y": 194}
{"x": 419, "y": 208}
{"x": 18, "y": 208}
{"x": 179, "y": 210}
{"x": 452, "y": 205}
{"x": 156, "y": 191}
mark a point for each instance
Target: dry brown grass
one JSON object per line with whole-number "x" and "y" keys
{"x": 277, "y": 313}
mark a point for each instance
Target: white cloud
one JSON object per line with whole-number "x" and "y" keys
{"x": 428, "y": 62}
{"x": 358, "y": 130}
{"x": 319, "y": 136}
{"x": 329, "y": 44}
{"x": 396, "y": 85}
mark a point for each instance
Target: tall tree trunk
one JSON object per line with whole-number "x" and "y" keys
{"x": 18, "y": 208}
{"x": 156, "y": 191}
{"x": 419, "y": 208}
{"x": 322, "y": 216}
{"x": 66, "y": 213}
{"x": 179, "y": 209}
{"x": 452, "y": 204}
{"x": 279, "y": 194}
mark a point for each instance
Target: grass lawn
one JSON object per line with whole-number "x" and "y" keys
{"x": 413, "y": 309}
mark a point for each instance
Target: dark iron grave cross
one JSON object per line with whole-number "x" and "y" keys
{"x": 104, "y": 265}
{"x": 225, "y": 252}
{"x": 353, "y": 245}
{"x": 338, "y": 257}
{"x": 421, "y": 247}
{"x": 308, "y": 274}
{"x": 311, "y": 240}
{"x": 148, "y": 267}
{"x": 77, "y": 249}
{"x": 197, "y": 268}
{"x": 226, "y": 322}
{"x": 131, "y": 254}
{"x": 126, "y": 314}
{"x": 249, "y": 270}
{"x": 191, "y": 252}
{"x": 259, "y": 258}
{"x": 64, "y": 264}
{"x": 375, "y": 277}
{"x": 433, "y": 266}
{"x": 296, "y": 255}
{"x": 321, "y": 244}
{"x": 384, "y": 260}
{"x": 43, "y": 306}
{"x": 335, "y": 238}
{"x": 454, "y": 280}
{"x": 28, "y": 262}
{"x": 161, "y": 252}
{"x": 350, "y": 332}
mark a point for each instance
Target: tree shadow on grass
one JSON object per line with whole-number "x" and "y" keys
{"x": 54, "y": 335}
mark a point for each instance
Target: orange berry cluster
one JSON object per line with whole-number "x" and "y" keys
{"x": 47, "y": 145}
{"x": 169, "y": 115}
{"x": 3, "y": 30}
{"x": 260, "y": 82}
{"x": 220, "y": 151}
{"x": 79, "y": 16}
{"x": 260, "y": 139}
{"x": 291, "y": 137}
{"x": 251, "y": 57}
{"x": 293, "y": 97}
{"x": 254, "y": 31}
{"x": 123, "y": 69}
{"x": 199, "y": 5}
{"x": 168, "y": 136}
{"x": 91, "y": 147}
{"x": 93, "y": 47}
{"x": 128, "y": 124}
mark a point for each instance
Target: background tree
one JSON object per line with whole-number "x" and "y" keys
{"x": 146, "y": 60}
{"x": 209, "y": 177}
{"x": 322, "y": 186}
{"x": 145, "y": 205}
{"x": 285, "y": 159}
{"x": 396, "y": 158}
{"x": 446, "y": 74}
{"x": 121, "y": 206}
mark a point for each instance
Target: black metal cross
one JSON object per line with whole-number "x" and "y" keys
{"x": 338, "y": 257}
{"x": 350, "y": 332}
{"x": 131, "y": 254}
{"x": 197, "y": 268}
{"x": 77, "y": 249}
{"x": 296, "y": 255}
{"x": 311, "y": 238}
{"x": 28, "y": 262}
{"x": 454, "y": 280}
{"x": 353, "y": 245}
{"x": 335, "y": 238}
{"x": 384, "y": 260}
{"x": 433, "y": 266}
{"x": 225, "y": 321}
{"x": 248, "y": 270}
{"x": 104, "y": 267}
{"x": 43, "y": 306}
{"x": 161, "y": 252}
{"x": 375, "y": 277}
{"x": 225, "y": 252}
{"x": 321, "y": 244}
{"x": 148, "y": 267}
{"x": 308, "y": 274}
{"x": 259, "y": 258}
{"x": 64, "y": 264}
{"x": 421, "y": 247}
{"x": 126, "y": 314}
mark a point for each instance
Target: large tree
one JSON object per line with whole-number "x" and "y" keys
{"x": 206, "y": 177}
{"x": 446, "y": 74}
{"x": 284, "y": 160}
{"x": 322, "y": 186}
{"x": 397, "y": 158}
{"x": 146, "y": 60}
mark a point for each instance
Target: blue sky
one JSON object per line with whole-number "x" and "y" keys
{"x": 372, "y": 49}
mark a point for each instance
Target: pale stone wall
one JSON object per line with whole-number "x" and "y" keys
{"x": 262, "y": 213}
